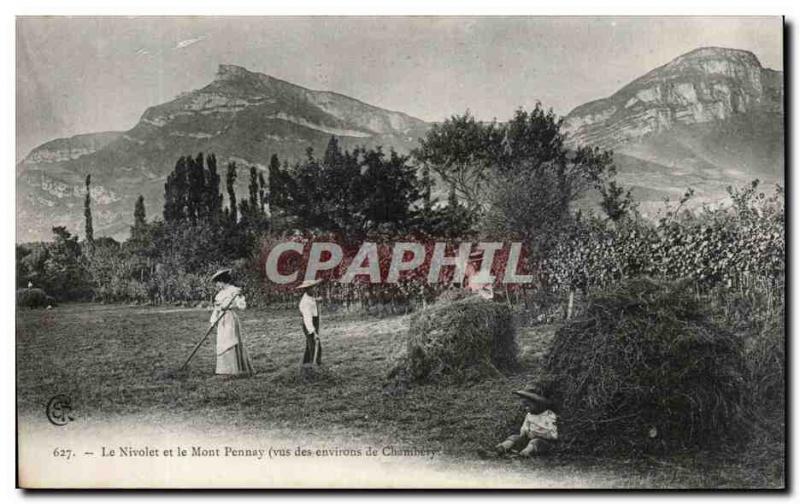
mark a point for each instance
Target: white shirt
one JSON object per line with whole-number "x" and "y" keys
{"x": 484, "y": 290}
{"x": 540, "y": 426}
{"x": 308, "y": 308}
{"x": 228, "y": 331}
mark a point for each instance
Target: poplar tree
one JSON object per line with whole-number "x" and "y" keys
{"x": 87, "y": 213}
{"x": 230, "y": 181}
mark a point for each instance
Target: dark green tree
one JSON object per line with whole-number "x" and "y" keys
{"x": 213, "y": 195}
{"x": 197, "y": 200}
{"x": 615, "y": 201}
{"x": 459, "y": 151}
{"x": 176, "y": 192}
{"x": 87, "y": 213}
{"x": 262, "y": 193}
{"x": 139, "y": 214}
{"x": 230, "y": 182}
{"x": 254, "y": 205}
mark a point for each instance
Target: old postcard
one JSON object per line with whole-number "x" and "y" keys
{"x": 400, "y": 252}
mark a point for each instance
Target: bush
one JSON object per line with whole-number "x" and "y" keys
{"x": 34, "y": 298}
{"x": 463, "y": 339}
{"x": 645, "y": 370}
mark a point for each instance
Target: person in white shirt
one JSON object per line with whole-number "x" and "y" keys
{"x": 539, "y": 431}
{"x": 484, "y": 290}
{"x": 310, "y": 314}
{"x": 232, "y": 357}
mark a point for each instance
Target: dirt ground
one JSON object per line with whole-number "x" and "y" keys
{"x": 116, "y": 362}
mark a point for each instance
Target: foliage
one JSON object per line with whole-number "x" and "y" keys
{"x": 741, "y": 245}
{"x": 351, "y": 193}
{"x": 517, "y": 179}
{"x": 615, "y": 201}
{"x": 482, "y": 162}
{"x": 59, "y": 267}
{"x": 34, "y": 298}
{"x": 87, "y": 213}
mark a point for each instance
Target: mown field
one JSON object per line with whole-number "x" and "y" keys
{"x": 115, "y": 362}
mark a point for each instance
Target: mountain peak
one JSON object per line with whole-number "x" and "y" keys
{"x": 706, "y": 85}
{"x": 227, "y": 72}
{"x": 716, "y": 53}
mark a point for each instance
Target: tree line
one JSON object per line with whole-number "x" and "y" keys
{"x": 467, "y": 179}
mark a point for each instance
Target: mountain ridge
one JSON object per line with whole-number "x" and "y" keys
{"x": 708, "y": 118}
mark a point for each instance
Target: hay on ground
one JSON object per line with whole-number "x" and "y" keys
{"x": 645, "y": 370}
{"x": 467, "y": 338}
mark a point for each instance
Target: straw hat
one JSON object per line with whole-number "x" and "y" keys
{"x": 307, "y": 283}
{"x": 532, "y": 396}
{"x": 223, "y": 275}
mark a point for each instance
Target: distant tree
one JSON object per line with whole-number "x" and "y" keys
{"x": 176, "y": 193}
{"x": 534, "y": 178}
{"x": 213, "y": 195}
{"x": 139, "y": 228}
{"x": 273, "y": 179}
{"x": 389, "y": 192}
{"x": 254, "y": 206}
{"x": 197, "y": 199}
{"x": 65, "y": 275}
{"x": 262, "y": 193}
{"x": 230, "y": 181}
{"x": 333, "y": 153}
{"x": 351, "y": 192}
{"x": 459, "y": 150}
{"x": 139, "y": 213}
{"x": 427, "y": 183}
{"x": 246, "y": 214}
{"x": 615, "y": 202}
{"x": 87, "y": 213}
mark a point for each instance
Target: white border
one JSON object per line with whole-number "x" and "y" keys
{"x": 342, "y": 7}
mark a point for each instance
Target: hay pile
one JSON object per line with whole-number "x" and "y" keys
{"x": 644, "y": 370}
{"x": 765, "y": 374}
{"x": 463, "y": 339}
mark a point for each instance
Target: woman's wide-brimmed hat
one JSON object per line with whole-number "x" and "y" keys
{"x": 223, "y": 275}
{"x": 307, "y": 283}
{"x": 534, "y": 397}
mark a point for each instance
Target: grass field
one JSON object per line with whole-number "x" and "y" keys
{"x": 114, "y": 361}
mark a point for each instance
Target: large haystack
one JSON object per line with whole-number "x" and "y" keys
{"x": 645, "y": 370}
{"x": 462, "y": 339}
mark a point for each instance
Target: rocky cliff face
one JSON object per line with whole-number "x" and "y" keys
{"x": 241, "y": 116}
{"x": 65, "y": 149}
{"x": 705, "y": 85}
{"x": 707, "y": 119}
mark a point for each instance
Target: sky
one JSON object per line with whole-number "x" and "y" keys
{"x": 82, "y": 74}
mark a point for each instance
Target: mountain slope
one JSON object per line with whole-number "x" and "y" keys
{"x": 241, "y": 116}
{"x": 708, "y": 119}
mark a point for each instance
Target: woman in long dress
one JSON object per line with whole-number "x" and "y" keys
{"x": 232, "y": 357}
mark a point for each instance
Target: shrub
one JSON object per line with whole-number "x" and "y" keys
{"x": 645, "y": 370}
{"x": 34, "y": 298}
{"x": 464, "y": 339}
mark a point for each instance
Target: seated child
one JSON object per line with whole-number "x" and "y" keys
{"x": 538, "y": 432}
